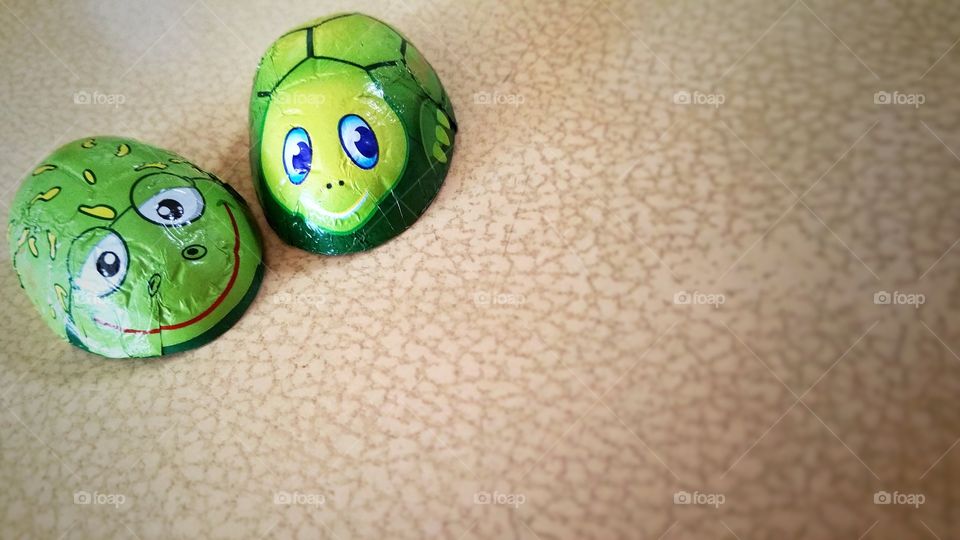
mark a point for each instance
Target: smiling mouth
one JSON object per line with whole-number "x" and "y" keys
{"x": 216, "y": 303}
{"x": 346, "y": 213}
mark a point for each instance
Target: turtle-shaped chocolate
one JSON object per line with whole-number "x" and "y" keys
{"x": 128, "y": 250}
{"x": 351, "y": 134}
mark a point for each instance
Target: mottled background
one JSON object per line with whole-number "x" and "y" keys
{"x": 649, "y": 280}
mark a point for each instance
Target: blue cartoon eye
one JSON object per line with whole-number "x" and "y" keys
{"x": 359, "y": 141}
{"x": 297, "y": 155}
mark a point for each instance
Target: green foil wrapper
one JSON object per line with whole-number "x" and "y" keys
{"x": 128, "y": 250}
{"x": 351, "y": 134}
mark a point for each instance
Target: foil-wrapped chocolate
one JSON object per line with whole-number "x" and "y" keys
{"x": 128, "y": 250}
{"x": 351, "y": 134}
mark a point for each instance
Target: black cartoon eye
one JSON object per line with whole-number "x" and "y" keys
{"x": 173, "y": 206}
{"x": 105, "y": 266}
{"x": 358, "y": 141}
{"x": 297, "y": 155}
{"x": 194, "y": 252}
{"x": 170, "y": 209}
{"x": 108, "y": 264}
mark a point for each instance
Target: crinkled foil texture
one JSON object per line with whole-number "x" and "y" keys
{"x": 128, "y": 250}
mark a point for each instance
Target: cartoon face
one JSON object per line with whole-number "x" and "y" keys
{"x": 332, "y": 147}
{"x": 351, "y": 134}
{"x": 129, "y": 278}
{"x": 156, "y": 257}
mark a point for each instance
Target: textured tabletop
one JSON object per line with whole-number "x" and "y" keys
{"x": 693, "y": 274}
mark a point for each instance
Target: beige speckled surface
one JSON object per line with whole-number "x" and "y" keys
{"x": 521, "y": 345}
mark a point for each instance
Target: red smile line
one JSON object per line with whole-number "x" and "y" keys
{"x": 213, "y": 306}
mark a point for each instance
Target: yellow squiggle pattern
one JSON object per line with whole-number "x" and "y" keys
{"x": 61, "y": 295}
{"x": 43, "y": 168}
{"x": 155, "y": 165}
{"x": 52, "y": 240}
{"x": 100, "y": 211}
{"x": 46, "y": 195}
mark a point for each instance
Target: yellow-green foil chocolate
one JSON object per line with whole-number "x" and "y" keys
{"x": 351, "y": 134}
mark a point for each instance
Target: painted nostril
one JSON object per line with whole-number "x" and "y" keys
{"x": 154, "y": 284}
{"x": 194, "y": 252}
